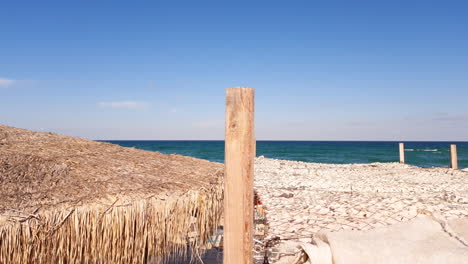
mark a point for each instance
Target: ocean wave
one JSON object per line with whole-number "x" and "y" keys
{"x": 427, "y": 150}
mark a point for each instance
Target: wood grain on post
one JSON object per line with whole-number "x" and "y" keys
{"x": 402, "y": 153}
{"x": 453, "y": 157}
{"x": 238, "y": 177}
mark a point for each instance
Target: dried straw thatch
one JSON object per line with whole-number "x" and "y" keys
{"x": 70, "y": 200}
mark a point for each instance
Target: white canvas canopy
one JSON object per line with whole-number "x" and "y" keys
{"x": 425, "y": 239}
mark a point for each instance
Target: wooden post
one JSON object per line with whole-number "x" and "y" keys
{"x": 453, "y": 157}
{"x": 402, "y": 153}
{"x": 238, "y": 176}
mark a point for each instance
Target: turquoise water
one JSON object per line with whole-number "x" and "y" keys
{"x": 423, "y": 154}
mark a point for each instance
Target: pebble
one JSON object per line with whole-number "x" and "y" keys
{"x": 305, "y": 198}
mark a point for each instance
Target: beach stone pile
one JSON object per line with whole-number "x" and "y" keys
{"x": 302, "y": 199}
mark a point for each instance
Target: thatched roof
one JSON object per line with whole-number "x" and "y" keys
{"x": 48, "y": 179}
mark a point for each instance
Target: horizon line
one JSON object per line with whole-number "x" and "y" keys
{"x": 289, "y": 140}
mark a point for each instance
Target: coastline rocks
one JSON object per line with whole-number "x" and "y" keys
{"x": 286, "y": 195}
{"x": 305, "y": 198}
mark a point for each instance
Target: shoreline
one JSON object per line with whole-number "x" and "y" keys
{"x": 424, "y": 154}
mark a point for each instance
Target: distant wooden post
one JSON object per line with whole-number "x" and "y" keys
{"x": 453, "y": 157}
{"x": 402, "y": 153}
{"x": 239, "y": 172}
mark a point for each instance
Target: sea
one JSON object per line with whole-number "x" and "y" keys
{"x": 423, "y": 154}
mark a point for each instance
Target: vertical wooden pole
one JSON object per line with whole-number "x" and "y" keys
{"x": 453, "y": 157}
{"x": 402, "y": 153}
{"x": 239, "y": 172}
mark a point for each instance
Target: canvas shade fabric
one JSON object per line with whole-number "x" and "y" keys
{"x": 424, "y": 239}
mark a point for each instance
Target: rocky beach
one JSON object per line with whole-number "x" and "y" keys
{"x": 302, "y": 199}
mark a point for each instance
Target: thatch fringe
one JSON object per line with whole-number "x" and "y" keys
{"x": 149, "y": 230}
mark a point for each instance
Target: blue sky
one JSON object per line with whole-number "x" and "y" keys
{"x": 322, "y": 70}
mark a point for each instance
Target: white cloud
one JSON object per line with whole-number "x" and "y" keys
{"x": 5, "y": 83}
{"x": 447, "y": 117}
{"x": 123, "y": 104}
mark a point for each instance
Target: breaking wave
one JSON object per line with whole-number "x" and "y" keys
{"x": 427, "y": 150}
